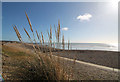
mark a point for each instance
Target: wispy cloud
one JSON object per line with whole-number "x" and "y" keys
{"x": 65, "y": 28}
{"x": 86, "y": 16}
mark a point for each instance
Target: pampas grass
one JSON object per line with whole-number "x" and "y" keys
{"x": 17, "y": 33}
{"x": 27, "y": 33}
{"x": 37, "y": 35}
{"x": 46, "y": 68}
{"x": 42, "y": 38}
{"x": 29, "y": 22}
{"x": 58, "y": 31}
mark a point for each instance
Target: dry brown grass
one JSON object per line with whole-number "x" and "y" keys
{"x": 17, "y": 33}
{"x": 27, "y": 33}
{"x": 29, "y": 22}
{"x": 44, "y": 67}
{"x": 12, "y": 49}
{"x": 42, "y": 38}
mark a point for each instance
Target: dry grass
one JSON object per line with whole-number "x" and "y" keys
{"x": 42, "y": 38}
{"x": 27, "y": 33}
{"x": 17, "y": 33}
{"x": 31, "y": 68}
{"x": 42, "y": 66}
{"x": 29, "y": 22}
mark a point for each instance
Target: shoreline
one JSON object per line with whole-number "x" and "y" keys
{"x": 105, "y": 58}
{"x": 88, "y": 64}
{"x": 5, "y": 41}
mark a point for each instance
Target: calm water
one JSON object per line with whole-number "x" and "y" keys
{"x": 90, "y": 46}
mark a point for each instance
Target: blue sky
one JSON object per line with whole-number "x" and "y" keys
{"x": 86, "y": 22}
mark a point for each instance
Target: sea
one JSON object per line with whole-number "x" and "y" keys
{"x": 88, "y": 46}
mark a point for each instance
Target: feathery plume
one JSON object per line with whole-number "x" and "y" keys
{"x": 27, "y": 33}
{"x": 58, "y": 30}
{"x": 37, "y": 35}
{"x": 29, "y": 22}
{"x": 17, "y": 33}
{"x": 42, "y": 37}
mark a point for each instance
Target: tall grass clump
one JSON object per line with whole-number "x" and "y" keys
{"x": 57, "y": 34}
{"x": 42, "y": 66}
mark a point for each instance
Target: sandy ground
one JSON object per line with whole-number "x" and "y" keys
{"x": 84, "y": 71}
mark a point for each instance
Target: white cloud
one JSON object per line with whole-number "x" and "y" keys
{"x": 65, "y": 28}
{"x": 86, "y": 16}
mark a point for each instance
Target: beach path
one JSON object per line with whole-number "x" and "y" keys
{"x": 88, "y": 71}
